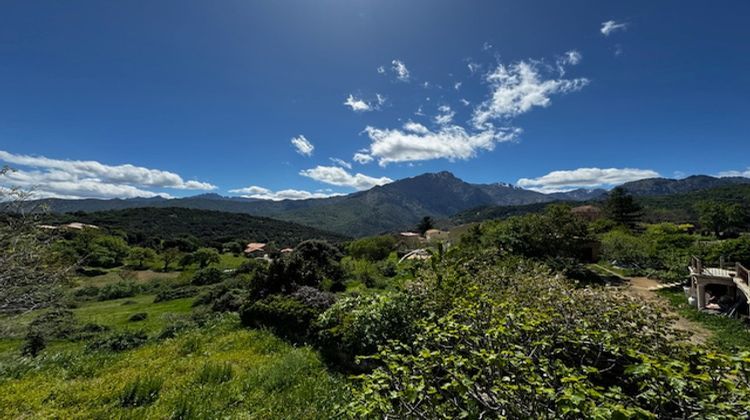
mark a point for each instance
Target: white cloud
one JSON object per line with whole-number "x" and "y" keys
{"x": 302, "y": 145}
{"x": 362, "y": 158}
{"x": 402, "y": 73}
{"x": 381, "y": 70}
{"x": 90, "y": 179}
{"x": 360, "y": 105}
{"x": 357, "y": 105}
{"x": 611, "y": 26}
{"x": 486, "y": 46}
{"x": 559, "y": 181}
{"x": 341, "y": 163}
{"x": 465, "y": 102}
{"x": 457, "y": 85}
{"x": 445, "y": 116}
{"x": 519, "y": 87}
{"x": 415, "y": 142}
{"x": 261, "y": 193}
{"x": 415, "y": 127}
{"x": 572, "y": 57}
{"x": 338, "y": 176}
{"x": 473, "y": 67}
{"x": 745, "y": 173}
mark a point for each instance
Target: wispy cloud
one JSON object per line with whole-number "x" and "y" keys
{"x": 445, "y": 115}
{"x": 399, "y": 68}
{"x": 90, "y": 179}
{"x": 745, "y": 173}
{"x": 261, "y": 193}
{"x": 519, "y": 87}
{"x": 302, "y": 145}
{"x": 611, "y": 26}
{"x": 334, "y": 175}
{"x": 361, "y": 105}
{"x": 341, "y": 162}
{"x": 567, "y": 180}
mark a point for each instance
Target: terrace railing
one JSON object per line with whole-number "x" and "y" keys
{"x": 743, "y": 273}
{"x": 696, "y": 264}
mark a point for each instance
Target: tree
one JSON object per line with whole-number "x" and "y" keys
{"x": 32, "y": 272}
{"x": 719, "y": 217}
{"x": 140, "y": 256}
{"x": 106, "y": 251}
{"x": 622, "y": 208}
{"x": 205, "y": 256}
{"x": 169, "y": 256}
{"x": 233, "y": 247}
{"x": 425, "y": 224}
{"x": 374, "y": 248}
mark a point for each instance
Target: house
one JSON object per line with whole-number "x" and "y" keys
{"x": 254, "y": 247}
{"x": 287, "y": 250}
{"x": 409, "y": 234}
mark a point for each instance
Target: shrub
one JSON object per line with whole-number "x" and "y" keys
{"x": 314, "y": 298}
{"x": 229, "y": 301}
{"x": 206, "y": 276}
{"x": 517, "y": 345}
{"x": 173, "y": 293}
{"x": 34, "y": 343}
{"x": 138, "y": 316}
{"x": 119, "y": 341}
{"x": 57, "y": 322}
{"x": 373, "y": 249}
{"x": 356, "y": 326}
{"x": 140, "y": 392}
{"x": 119, "y": 290}
{"x": 285, "y": 315}
{"x": 86, "y": 292}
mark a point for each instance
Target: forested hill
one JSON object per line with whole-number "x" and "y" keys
{"x": 208, "y": 228}
{"x": 675, "y": 207}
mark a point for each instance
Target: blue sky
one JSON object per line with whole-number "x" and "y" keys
{"x": 104, "y": 99}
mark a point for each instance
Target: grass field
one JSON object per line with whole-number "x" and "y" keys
{"x": 219, "y": 370}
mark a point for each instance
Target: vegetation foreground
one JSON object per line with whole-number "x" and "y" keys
{"x": 506, "y": 322}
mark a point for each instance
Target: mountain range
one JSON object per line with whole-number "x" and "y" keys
{"x": 394, "y": 206}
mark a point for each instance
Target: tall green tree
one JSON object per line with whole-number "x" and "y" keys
{"x": 205, "y": 256}
{"x": 718, "y": 217}
{"x": 623, "y": 208}
{"x": 140, "y": 256}
{"x": 425, "y": 224}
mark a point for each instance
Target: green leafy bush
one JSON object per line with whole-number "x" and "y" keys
{"x": 178, "y": 292}
{"x": 357, "y": 325}
{"x": 119, "y": 341}
{"x": 374, "y": 248}
{"x": 519, "y": 343}
{"x": 119, "y": 290}
{"x": 285, "y": 315}
{"x": 206, "y": 276}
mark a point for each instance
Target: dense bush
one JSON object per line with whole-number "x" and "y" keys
{"x": 178, "y": 292}
{"x": 206, "y": 276}
{"x": 555, "y": 233}
{"x": 284, "y": 314}
{"x": 513, "y": 346}
{"x": 357, "y": 325}
{"x": 119, "y": 290}
{"x": 374, "y": 248}
{"x": 86, "y": 292}
{"x": 310, "y": 264}
{"x": 119, "y": 341}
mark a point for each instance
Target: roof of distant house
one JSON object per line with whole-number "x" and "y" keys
{"x": 254, "y": 246}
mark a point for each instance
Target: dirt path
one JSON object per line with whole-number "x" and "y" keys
{"x": 640, "y": 287}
